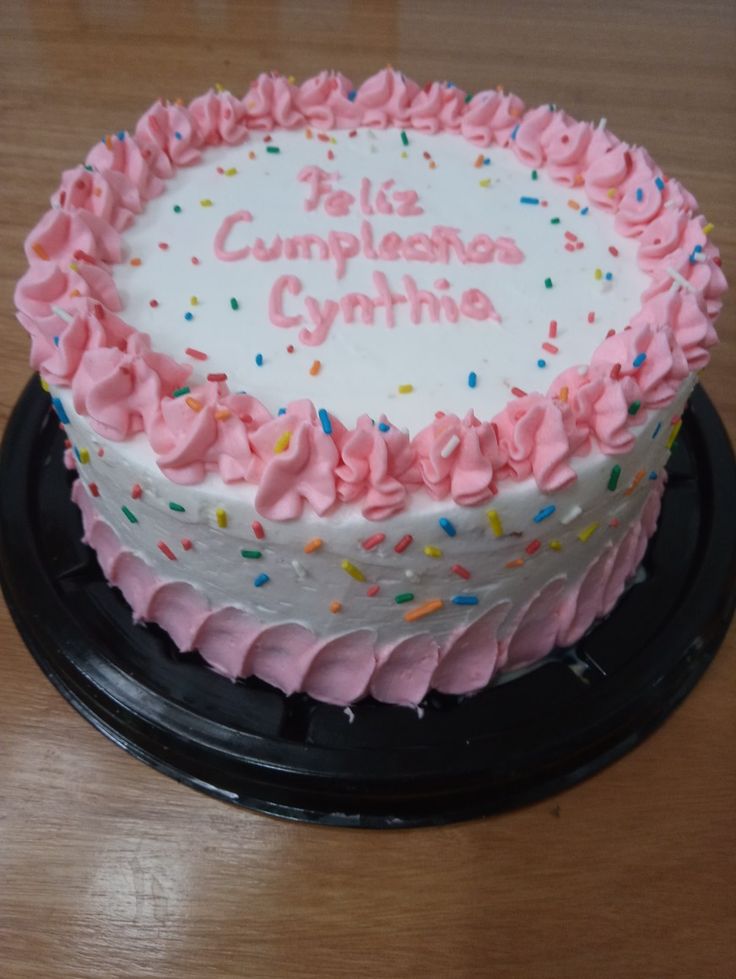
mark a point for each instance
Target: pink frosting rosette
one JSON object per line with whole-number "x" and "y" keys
{"x": 207, "y": 431}
{"x": 491, "y": 117}
{"x": 325, "y": 102}
{"x": 168, "y": 137}
{"x": 686, "y": 315}
{"x": 537, "y": 437}
{"x": 121, "y": 155}
{"x": 121, "y": 390}
{"x": 600, "y": 405}
{"x": 527, "y": 141}
{"x": 63, "y": 236}
{"x": 376, "y": 467}
{"x": 459, "y": 458}
{"x": 298, "y": 461}
{"x": 271, "y": 101}
{"x": 46, "y": 284}
{"x": 385, "y": 98}
{"x": 219, "y": 118}
{"x": 649, "y": 353}
{"x": 438, "y": 106}
{"x": 108, "y": 195}
{"x": 564, "y": 143}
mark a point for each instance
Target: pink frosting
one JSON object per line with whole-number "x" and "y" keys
{"x": 124, "y": 387}
{"x": 344, "y": 668}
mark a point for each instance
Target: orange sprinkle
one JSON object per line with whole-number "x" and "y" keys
{"x": 478, "y": 160}
{"x": 222, "y": 414}
{"x": 432, "y": 165}
{"x": 634, "y": 483}
{"x": 579, "y": 180}
{"x": 309, "y": 134}
{"x": 315, "y": 368}
{"x": 194, "y": 404}
{"x": 74, "y": 293}
{"x": 312, "y": 545}
{"x": 574, "y": 205}
{"x": 518, "y": 563}
{"x": 97, "y": 191}
{"x": 136, "y": 262}
{"x": 335, "y": 607}
{"x": 251, "y": 155}
{"x": 427, "y": 609}
{"x": 564, "y": 391}
{"x": 40, "y": 251}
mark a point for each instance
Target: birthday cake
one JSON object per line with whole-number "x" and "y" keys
{"x": 369, "y": 390}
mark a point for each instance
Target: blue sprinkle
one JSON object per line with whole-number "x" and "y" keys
{"x": 528, "y": 200}
{"x": 259, "y": 360}
{"x": 698, "y": 248}
{"x": 541, "y": 363}
{"x": 514, "y": 131}
{"x": 639, "y": 360}
{"x": 188, "y": 316}
{"x": 657, "y": 430}
{"x": 60, "y": 412}
{"x": 609, "y": 276}
{"x": 76, "y": 453}
{"x": 383, "y": 427}
{"x": 659, "y": 182}
{"x": 472, "y": 379}
{"x": 351, "y": 96}
{"x": 639, "y": 194}
{"x": 451, "y": 84}
{"x": 56, "y": 341}
{"x": 652, "y": 474}
{"x": 464, "y": 599}
{"x": 448, "y": 527}
{"x": 545, "y": 512}
{"x": 261, "y": 580}
{"x": 281, "y": 411}
{"x": 487, "y": 161}
{"x": 584, "y": 211}
{"x": 177, "y": 135}
{"x": 121, "y": 135}
{"x": 324, "y": 419}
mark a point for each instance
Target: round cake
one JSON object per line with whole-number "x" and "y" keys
{"x": 369, "y": 390}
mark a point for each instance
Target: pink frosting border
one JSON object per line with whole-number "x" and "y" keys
{"x": 123, "y": 387}
{"x": 344, "y": 668}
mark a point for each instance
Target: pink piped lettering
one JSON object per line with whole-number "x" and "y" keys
{"x": 323, "y": 317}
{"x": 419, "y": 298}
{"x": 319, "y": 185}
{"x": 223, "y": 233}
{"x": 382, "y": 203}
{"x": 284, "y": 283}
{"x": 365, "y": 197}
{"x": 476, "y": 305}
{"x": 357, "y": 300}
{"x": 508, "y": 251}
{"x": 343, "y": 246}
{"x": 338, "y": 203}
{"x": 418, "y": 248}
{"x": 408, "y": 203}
{"x": 481, "y": 249}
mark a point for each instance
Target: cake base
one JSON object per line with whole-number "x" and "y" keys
{"x": 372, "y": 765}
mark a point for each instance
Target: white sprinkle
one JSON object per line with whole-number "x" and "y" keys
{"x": 420, "y": 712}
{"x": 602, "y": 123}
{"x": 411, "y": 575}
{"x": 571, "y": 514}
{"x": 669, "y": 204}
{"x": 62, "y": 314}
{"x": 700, "y": 257}
{"x": 299, "y": 569}
{"x": 449, "y": 447}
{"x": 680, "y": 279}
{"x": 349, "y": 714}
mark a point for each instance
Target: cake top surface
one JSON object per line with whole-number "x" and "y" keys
{"x": 473, "y": 291}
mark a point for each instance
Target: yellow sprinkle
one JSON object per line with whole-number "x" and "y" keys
{"x": 707, "y": 228}
{"x": 485, "y": 183}
{"x": 332, "y": 139}
{"x": 291, "y": 79}
{"x": 674, "y": 433}
{"x": 84, "y": 456}
{"x": 193, "y": 404}
{"x": 44, "y": 384}
{"x": 406, "y": 388}
{"x": 350, "y": 569}
{"x": 433, "y": 551}
{"x": 282, "y": 442}
{"x": 335, "y": 607}
{"x": 221, "y": 517}
{"x": 218, "y": 87}
{"x": 231, "y": 171}
{"x": 563, "y": 394}
{"x": 611, "y": 192}
{"x": 598, "y": 274}
{"x": 404, "y": 155}
{"x": 427, "y": 609}
{"x": 315, "y": 368}
{"x": 555, "y": 545}
{"x": 206, "y": 202}
{"x": 194, "y": 301}
{"x": 312, "y": 545}
{"x": 587, "y": 532}
{"x": 73, "y": 266}
{"x": 495, "y": 521}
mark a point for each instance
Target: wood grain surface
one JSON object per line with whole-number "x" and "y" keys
{"x": 109, "y": 869}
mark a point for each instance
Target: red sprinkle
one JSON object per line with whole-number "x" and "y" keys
{"x": 217, "y": 377}
{"x": 323, "y": 137}
{"x": 93, "y": 488}
{"x": 353, "y": 133}
{"x": 100, "y": 452}
{"x": 197, "y": 354}
{"x": 163, "y": 246}
{"x": 570, "y": 236}
{"x": 518, "y": 393}
{"x": 267, "y": 139}
{"x": 153, "y": 303}
{"x": 99, "y": 311}
{"x": 290, "y": 349}
{"x": 403, "y": 543}
{"x": 613, "y": 250}
{"x": 373, "y": 591}
{"x": 373, "y": 541}
{"x": 330, "y": 155}
{"x": 611, "y": 333}
{"x": 195, "y": 260}
{"x": 67, "y": 442}
{"x": 552, "y": 329}
{"x": 459, "y": 570}
{"x": 165, "y": 549}
{"x": 579, "y": 245}
{"x": 591, "y": 317}
{"x": 137, "y": 491}
{"x": 533, "y": 546}
{"x": 220, "y": 170}
{"x": 569, "y": 247}
{"x": 186, "y": 543}
{"x": 550, "y": 348}
{"x": 616, "y": 372}
{"x": 258, "y": 530}
{"x": 613, "y": 522}
{"x": 84, "y": 257}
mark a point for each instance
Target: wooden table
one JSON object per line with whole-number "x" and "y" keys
{"x": 109, "y": 869}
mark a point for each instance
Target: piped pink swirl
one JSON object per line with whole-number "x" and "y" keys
{"x": 385, "y": 99}
{"x": 325, "y": 101}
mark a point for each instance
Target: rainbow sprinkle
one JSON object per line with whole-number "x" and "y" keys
{"x": 261, "y": 580}
{"x": 495, "y": 522}
{"x": 402, "y": 545}
{"x": 373, "y": 541}
{"x": 545, "y": 512}
{"x": 614, "y": 477}
{"x": 351, "y": 569}
{"x": 447, "y": 526}
{"x": 251, "y": 555}
{"x": 427, "y": 609}
{"x": 282, "y": 442}
{"x": 129, "y": 514}
{"x": 221, "y": 517}
{"x": 472, "y": 379}
{"x": 464, "y": 600}
{"x": 406, "y": 388}
{"x": 325, "y": 422}
{"x": 335, "y": 607}
{"x": 587, "y": 532}
{"x": 460, "y": 571}
{"x": 176, "y": 507}
{"x": 312, "y": 545}
{"x": 431, "y": 551}
{"x": 258, "y": 530}
{"x": 406, "y": 596}
{"x": 166, "y": 550}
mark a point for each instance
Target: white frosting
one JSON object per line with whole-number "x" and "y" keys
{"x": 363, "y": 366}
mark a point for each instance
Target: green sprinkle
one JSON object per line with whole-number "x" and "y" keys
{"x": 88, "y": 167}
{"x": 634, "y": 407}
{"x": 177, "y": 208}
{"x": 405, "y": 596}
{"x": 404, "y": 138}
{"x": 176, "y": 507}
{"x": 179, "y": 391}
{"x": 534, "y": 174}
{"x": 250, "y": 554}
{"x": 234, "y": 304}
{"x": 554, "y": 220}
{"x": 548, "y": 283}
{"x": 468, "y": 97}
{"x": 129, "y": 514}
{"x": 613, "y": 478}
{"x": 272, "y": 149}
